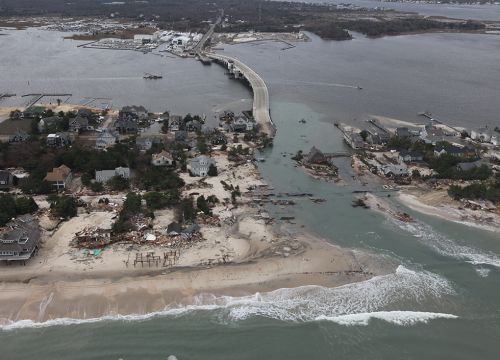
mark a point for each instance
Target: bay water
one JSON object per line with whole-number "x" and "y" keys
{"x": 443, "y": 299}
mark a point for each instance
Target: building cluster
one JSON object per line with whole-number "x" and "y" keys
{"x": 237, "y": 123}
{"x": 435, "y": 140}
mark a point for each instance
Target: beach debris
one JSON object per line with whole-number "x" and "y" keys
{"x": 360, "y": 202}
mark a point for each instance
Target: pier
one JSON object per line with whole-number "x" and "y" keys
{"x": 259, "y": 88}
{"x": 38, "y": 97}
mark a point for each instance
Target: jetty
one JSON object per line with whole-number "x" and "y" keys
{"x": 259, "y": 88}
{"x": 38, "y": 97}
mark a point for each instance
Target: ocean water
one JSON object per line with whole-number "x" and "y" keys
{"x": 442, "y": 301}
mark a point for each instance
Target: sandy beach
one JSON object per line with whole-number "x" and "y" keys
{"x": 438, "y": 203}
{"x": 63, "y": 281}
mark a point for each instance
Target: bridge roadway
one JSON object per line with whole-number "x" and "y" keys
{"x": 260, "y": 92}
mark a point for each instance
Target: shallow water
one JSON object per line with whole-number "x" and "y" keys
{"x": 441, "y": 302}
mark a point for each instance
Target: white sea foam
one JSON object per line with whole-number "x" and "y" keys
{"x": 448, "y": 247}
{"x": 403, "y": 318}
{"x": 483, "y": 272}
{"x": 301, "y": 304}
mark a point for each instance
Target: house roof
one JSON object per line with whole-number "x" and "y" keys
{"x": 58, "y": 174}
{"x": 162, "y": 154}
{"x": 465, "y": 166}
{"x": 197, "y": 161}
{"x": 452, "y": 149}
{"x": 315, "y": 155}
{"x": 24, "y": 226}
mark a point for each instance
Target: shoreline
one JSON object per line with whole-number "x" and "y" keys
{"x": 54, "y": 296}
{"x": 263, "y": 255}
{"x": 450, "y": 212}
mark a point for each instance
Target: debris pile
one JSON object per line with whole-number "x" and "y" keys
{"x": 92, "y": 238}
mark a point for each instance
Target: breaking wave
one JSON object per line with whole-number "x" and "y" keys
{"x": 343, "y": 304}
{"x": 447, "y": 247}
{"x": 403, "y": 318}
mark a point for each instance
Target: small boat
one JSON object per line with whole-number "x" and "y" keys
{"x": 149, "y": 76}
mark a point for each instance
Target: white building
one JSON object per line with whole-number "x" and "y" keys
{"x": 104, "y": 176}
{"x": 200, "y": 165}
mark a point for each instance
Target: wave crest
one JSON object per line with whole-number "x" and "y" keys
{"x": 403, "y": 318}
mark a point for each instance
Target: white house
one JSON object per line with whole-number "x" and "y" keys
{"x": 162, "y": 159}
{"x": 200, "y": 165}
{"x": 103, "y": 176}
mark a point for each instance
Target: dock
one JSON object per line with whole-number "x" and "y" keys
{"x": 38, "y": 97}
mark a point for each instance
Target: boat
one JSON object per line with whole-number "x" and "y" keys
{"x": 149, "y": 76}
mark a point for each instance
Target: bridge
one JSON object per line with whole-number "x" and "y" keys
{"x": 201, "y": 44}
{"x": 259, "y": 88}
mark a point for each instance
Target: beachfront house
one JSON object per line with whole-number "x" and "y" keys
{"x": 395, "y": 170}
{"x": 59, "y": 177}
{"x": 103, "y": 176}
{"x": 19, "y": 239}
{"x": 162, "y": 159}
{"x": 200, "y": 165}
{"x": 134, "y": 112}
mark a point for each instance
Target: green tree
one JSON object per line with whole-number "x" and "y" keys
{"x": 132, "y": 204}
{"x": 188, "y": 210}
{"x": 7, "y": 208}
{"x": 212, "y": 170}
{"x": 96, "y": 186}
{"x": 201, "y": 145}
{"x": 118, "y": 183}
{"x": 364, "y": 134}
{"x": 25, "y": 205}
{"x": 202, "y": 205}
{"x": 62, "y": 206}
